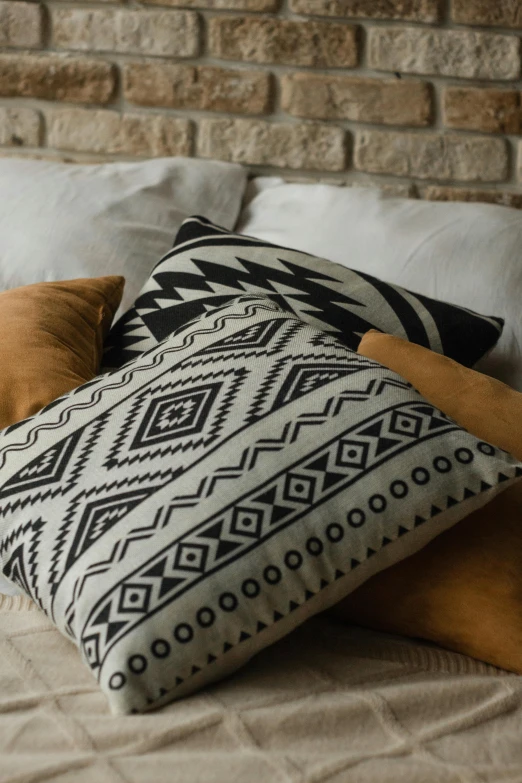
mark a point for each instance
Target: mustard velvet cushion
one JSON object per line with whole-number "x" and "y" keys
{"x": 51, "y": 340}
{"x": 464, "y": 589}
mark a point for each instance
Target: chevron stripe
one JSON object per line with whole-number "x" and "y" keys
{"x": 209, "y": 266}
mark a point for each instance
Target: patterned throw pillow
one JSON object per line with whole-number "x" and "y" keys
{"x": 178, "y": 515}
{"x": 208, "y": 266}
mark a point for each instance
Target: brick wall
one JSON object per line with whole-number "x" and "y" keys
{"x": 420, "y": 96}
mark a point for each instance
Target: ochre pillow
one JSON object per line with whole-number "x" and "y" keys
{"x": 51, "y": 340}
{"x": 464, "y": 589}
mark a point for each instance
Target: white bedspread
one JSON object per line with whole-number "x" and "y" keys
{"x": 329, "y": 703}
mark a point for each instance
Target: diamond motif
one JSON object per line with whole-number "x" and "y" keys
{"x": 352, "y": 454}
{"x": 191, "y": 557}
{"x": 176, "y": 415}
{"x": 91, "y": 649}
{"x": 247, "y": 522}
{"x": 300, "y": 488}
{"x": 134, "y": 598}
{"x": 405, "y": 424}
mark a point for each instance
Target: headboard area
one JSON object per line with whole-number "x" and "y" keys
{"x": 421, "y": 97}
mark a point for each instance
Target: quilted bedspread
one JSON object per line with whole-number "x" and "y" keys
{"x": 329, "y": 703}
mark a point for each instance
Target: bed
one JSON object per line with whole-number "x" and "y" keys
{"x": 328, "y": 703}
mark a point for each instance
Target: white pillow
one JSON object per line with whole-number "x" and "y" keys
{"x": 60, "y": 221}
{"x": 467, "y": 254}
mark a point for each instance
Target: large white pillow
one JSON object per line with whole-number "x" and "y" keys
{"x": 60, "y": 220}
{"x": 467, "y": 254}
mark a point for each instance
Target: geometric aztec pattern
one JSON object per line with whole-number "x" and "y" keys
{"x": 280, "y": 502}
{"x": 209, "y": 266}
{"x": 179, "y": 514}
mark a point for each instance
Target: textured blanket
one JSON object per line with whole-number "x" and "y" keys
{"x": 328, "y": 703}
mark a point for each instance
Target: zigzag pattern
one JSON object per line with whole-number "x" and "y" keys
{"x": 103, "y": 385}
{"x": 127, "y": 457}
{"x": 210, "y": 266}
{"x": 293, "y": 376}
{"x": 279, "y": 502}
{"x": 75, "y": 514}
{"x": 22, "y": 565}
{"x": 249, "y": 458}
{"x": 82, "y": 457}
{"x": 273, "y": 461}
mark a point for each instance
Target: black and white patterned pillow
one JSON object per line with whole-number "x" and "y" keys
{"x": 208, "y": 266}
{"x": 178, "y": 515}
